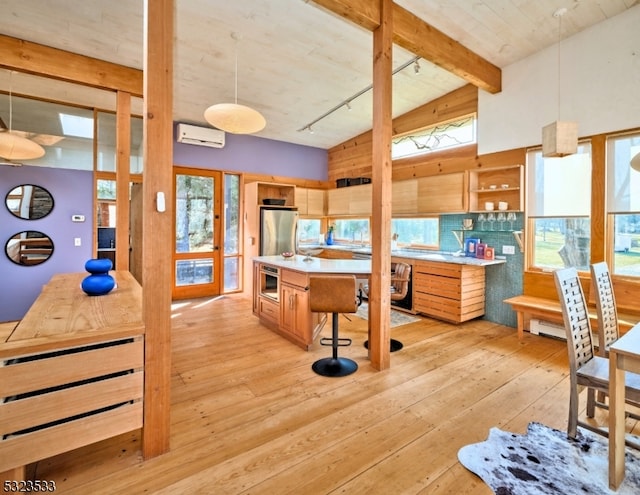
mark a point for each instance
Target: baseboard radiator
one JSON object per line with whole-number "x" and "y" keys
{"x": 547, "y": 329}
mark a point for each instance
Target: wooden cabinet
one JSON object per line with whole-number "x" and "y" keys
{"x": 442, "y": 193}
{"x": 288, "y": 315}
{"x": 449, "y": 291}
{"x": 310, "y": 202}
{"x": 257, "y": 192}
{"x": 494, "y": 185}
{"x": 404, "y": 197}
{"x": 354, "y": 201}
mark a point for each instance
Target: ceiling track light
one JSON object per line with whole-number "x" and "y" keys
{"x": 416, "y": 67}
{"x": 347, "y": 102}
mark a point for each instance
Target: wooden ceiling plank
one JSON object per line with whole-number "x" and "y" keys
{"x": 34, "y": 58}
{"x": 415, "y": 35}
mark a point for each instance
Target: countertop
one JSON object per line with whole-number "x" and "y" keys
{"x": 416, "y": 254}
{"x": 318, "y": 265}
{"x": 358, "y": 266}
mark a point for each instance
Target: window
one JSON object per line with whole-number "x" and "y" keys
{"x": 231, "y": 232}
{"x": 435, "y": 138}
{"x": 623, "y": 204}
{"x": 559, "y": 208}
{"x": 416, "y": 232}
{"x": 353, "y": 230}
{"x": 309, "y": 231}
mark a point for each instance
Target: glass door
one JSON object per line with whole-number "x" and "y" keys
{"x": 196, "y": 258}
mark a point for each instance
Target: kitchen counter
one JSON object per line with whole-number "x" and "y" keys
{"x": 317, "y": 265}
{"x": 415, "y": 254}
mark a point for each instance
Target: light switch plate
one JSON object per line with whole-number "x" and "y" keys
{"x": 77, "y": 241}
{"x": 508, "y": 250}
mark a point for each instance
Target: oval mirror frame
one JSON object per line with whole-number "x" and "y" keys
{"x": 29, "y": 202}
{"x": 29, "y": 248}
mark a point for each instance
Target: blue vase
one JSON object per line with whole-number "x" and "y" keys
{"x": 329, "y": 239}
{"x": 100, "y": 265}
{"x": 99, "y": 282}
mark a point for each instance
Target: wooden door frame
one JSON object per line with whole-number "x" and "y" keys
{"x": 194, "y": 291}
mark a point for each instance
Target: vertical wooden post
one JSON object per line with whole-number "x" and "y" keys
{"x": 157, "y": 231}
{"x": 123, "y": 158}
{"x": 379, "y": 301}
{"x": 600, "y": 226}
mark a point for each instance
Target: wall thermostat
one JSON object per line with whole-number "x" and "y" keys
{"x": 77, "y": 218}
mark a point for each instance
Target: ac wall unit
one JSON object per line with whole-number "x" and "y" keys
{"x": 200, "y": 136}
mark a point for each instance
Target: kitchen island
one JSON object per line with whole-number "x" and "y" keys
{"x": 281, "y": 293}
{"x": 447, "y": 287}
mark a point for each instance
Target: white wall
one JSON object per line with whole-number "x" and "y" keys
{"x": 599, "y": 87}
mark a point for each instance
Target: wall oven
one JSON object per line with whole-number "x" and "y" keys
{"x": 270, "y": 282}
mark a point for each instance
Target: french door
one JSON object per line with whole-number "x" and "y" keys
{"x": 197, "y": 232}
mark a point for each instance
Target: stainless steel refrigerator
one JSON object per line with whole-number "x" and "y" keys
{"x": 278, "y": 229}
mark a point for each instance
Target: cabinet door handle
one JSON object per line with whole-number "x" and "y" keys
{"x": 291, "y": 301}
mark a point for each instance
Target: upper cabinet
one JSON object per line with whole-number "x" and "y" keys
{"x": 404, "y": 197}
{"x": 442, "y": 193}
{"x": 263, "y": 193}
{"x": 353, "y": 200}
{"x": 310, "y": 201}
{"x": 491, "y": 187}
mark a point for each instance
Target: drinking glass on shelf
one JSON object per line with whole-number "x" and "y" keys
{"x": 501, "y": 218}
{"x": 482, "y": 218}
{"x": 511, "y": 217}
{"x": 491, "y": 218}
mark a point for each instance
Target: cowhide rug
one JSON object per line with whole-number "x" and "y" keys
{"x": 546, "y": 461}
{"x": 398, "y": 318}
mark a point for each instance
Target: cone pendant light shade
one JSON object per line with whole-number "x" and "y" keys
{"x": 234, "y": 118}
{"x": 14, "y": 147}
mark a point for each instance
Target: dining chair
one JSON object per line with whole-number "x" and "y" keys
{"x": 607, "y": 313}
{"x": 586, "y": 369}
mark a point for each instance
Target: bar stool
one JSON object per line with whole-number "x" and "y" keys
{"x": 333, "y": 294}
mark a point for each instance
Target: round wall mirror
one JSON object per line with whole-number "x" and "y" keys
{"x": 29, "y": 202}
{"x": 29, "y": 247}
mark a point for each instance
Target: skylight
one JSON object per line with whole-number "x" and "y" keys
{"x": 73, "y": 125}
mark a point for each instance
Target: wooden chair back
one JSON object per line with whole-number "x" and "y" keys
{"x": 576, "y": 318}
{"x": 608, "y": 330}
{"x": 400, "y": 281}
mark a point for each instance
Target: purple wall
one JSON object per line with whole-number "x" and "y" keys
{"x": 72, "y": 191}
{"x": 72, "y": 195}
{"x": 256, "y": 155}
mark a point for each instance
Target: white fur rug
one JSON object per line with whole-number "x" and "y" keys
{"x": 546, "y": 461}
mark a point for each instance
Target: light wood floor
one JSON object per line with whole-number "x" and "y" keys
{"x": 250, "y": 417}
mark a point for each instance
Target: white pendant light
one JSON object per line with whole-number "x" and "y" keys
{"x": 560, "y": 138}
{"x": 232, "y": 117}
{"x": 14, "y": 147}
{"x": 635, "y": 162}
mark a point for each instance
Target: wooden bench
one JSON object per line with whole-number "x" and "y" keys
{"x": 527, "y": 307}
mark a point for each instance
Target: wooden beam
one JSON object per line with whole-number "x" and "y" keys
{"x": 33, "y": 58}
{"x": 417, "y": 36}
{"x": 379, "y": 300}
{"x": 123, "y": 167}
{"x": 157, "y": 225}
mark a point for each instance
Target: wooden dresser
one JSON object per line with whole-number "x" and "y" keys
{"x": 71, "y": 372}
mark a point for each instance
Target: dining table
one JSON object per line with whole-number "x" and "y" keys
{"x": 624, "y": 355}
